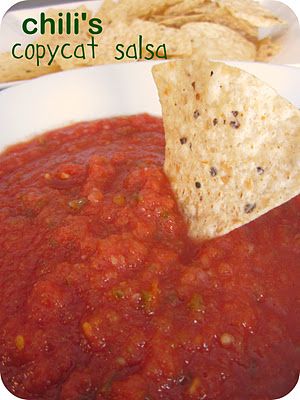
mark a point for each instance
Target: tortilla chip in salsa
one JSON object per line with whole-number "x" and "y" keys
{"x": 232, "y": 144}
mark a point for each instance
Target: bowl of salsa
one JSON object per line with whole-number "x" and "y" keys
{"x": 103, "y": 294}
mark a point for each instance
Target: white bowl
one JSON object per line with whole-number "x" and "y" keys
{"x": 60, "y": 99}
{"x": 85, "y": 94}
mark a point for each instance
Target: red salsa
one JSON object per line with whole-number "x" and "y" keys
{"x": 104, "y": 296}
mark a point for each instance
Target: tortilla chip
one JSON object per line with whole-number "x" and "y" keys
{"x": 184, "y": 8}
{"x": 211, "y": 12}
{"x": 218, "y": 42}
{"x": 123, "y": 10}
{"x": 176, "y": 21}
{"x": 266, "y": 49}
{"x": 106, "y": 7}
{"x": 177, "y": 42}
{"x": 243, "y": 16}
{"x": 232, "y": 144}
{"x": 12, "y": 69}
{"x": 250, "y": 11}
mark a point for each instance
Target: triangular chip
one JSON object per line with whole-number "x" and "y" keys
{"x": 232, "y": 144}
{"x": 214, "y": 41}
{"x": 211, "y": 12}
{"x": 250, "y": 11}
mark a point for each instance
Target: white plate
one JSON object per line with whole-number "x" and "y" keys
{"x": 11, "y": 31}
{"x": 60, "y": 99}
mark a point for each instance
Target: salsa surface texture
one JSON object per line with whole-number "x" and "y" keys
{"x": 103, "y": 295}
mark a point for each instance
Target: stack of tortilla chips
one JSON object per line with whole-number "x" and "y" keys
{"x": 212, "y": 29}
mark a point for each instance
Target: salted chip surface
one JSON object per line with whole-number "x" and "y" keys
{"x": 232, "y": 144}
{"x": 218, "y": 42}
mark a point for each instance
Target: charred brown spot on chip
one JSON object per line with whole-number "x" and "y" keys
{"x": 235, "y": 124}
{"x": 260, "y": 170}
{"x": 211, "y": 73}
{"x": 198, "y": 185}
{"x": 249, "y": 207}
{"x": 215, "y": 121}
{"x": 198, "y": 96}
{"x": 213, "y": 171}
{"x": 235, "y": 113}
{"x": 196, "y": 114}
{"x": 183, "y": 140}
{"x": 194, "y": 85}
